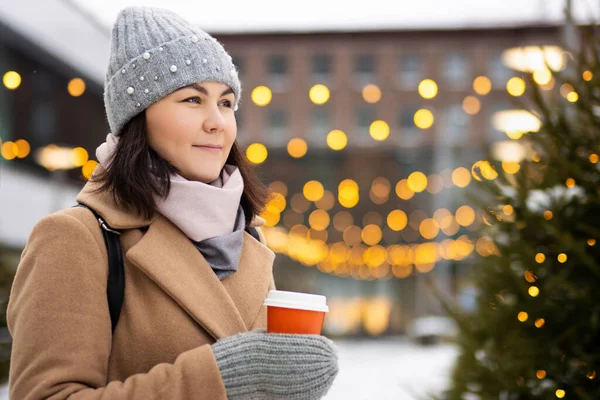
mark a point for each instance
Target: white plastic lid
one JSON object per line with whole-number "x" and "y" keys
{"x": 300, "y": 301}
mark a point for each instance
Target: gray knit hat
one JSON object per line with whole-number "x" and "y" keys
{"x": 155, "y": 52}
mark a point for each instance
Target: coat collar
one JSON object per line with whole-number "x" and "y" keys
{"x": 116, "y": 216}
{"x": 167, "y": 256}
{"x": 222, "y": 308}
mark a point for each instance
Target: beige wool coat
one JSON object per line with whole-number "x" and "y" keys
{"x": 174, "y": 308}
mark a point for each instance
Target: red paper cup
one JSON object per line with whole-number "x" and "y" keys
{"x": 292, "y": 312}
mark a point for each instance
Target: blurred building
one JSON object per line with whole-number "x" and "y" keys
{"x": 408, "y": 112}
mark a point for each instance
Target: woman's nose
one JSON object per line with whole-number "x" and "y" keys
{"x": 214, "y": 121}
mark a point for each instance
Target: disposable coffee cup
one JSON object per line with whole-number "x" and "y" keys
{"x": 293, "y": 312}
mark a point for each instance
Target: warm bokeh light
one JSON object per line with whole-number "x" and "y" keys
{"x": 429, "y": 228}
{"x": 276, "y": 204}
{"x": 483, "y": 168}
{"x": 534, "y": 291}
{"x": 88, "y": 168}
{"x": 297, "y": 148}
{"x": 539, "y": 322}
{"x": 540, "y": 258}
{"x": 319, "y": 94}
{"x": 532, "y": 58}
{"x": 379, "y": 130}
{"x": 529, "y": 276}
{"x": 371, "y": 235}
{"x": 570, "y": 182}
{"x": 397, "y": 220}
{"x": 515, "y": 122}
{"x": 261, "y": 96}
{"x": 12, "y": 80}
{"x": 313, "y": 190}
{"x": 79, "y": 156}
{"x": 465, "y": 215}
{"x": 423, "y": 118}
{"x": 511, "y": 167}
{"x": 542, "y": 76}
{"x": 417, "y": 182}
{"x": 299, "y": 203}
{"x": 337, "y": 140}
{"x": 403, "y": 191}
{"x": 371, "y": 93}
{"x": 540, "y": 374}
{"x": 348, "y": 195}
{"x": 523, "y": 316}
{"x": 591, "y": 242}
{"x": 352, "y": 235}
{"x": 471, "y": 105}
{"x": 515, "y": 86}
{"x": 594, "y": 158}
{"x": 482, "y": 85}
{"x": 435, "y": 183}
{"x": 9, "y": 150}
{"x": 461, "y": 177}
{"x": 572, "y": 97}
{"x": 562, "y": 258}
{"x": 257, "y": 153}
{"x": 587, "y": 75}
{"x": 428, "y": 89}
{"x": 23, "y": 148}
{"x": 326, "y": 202}
{"x": 342, "y": 220}
{"x": 279, "y": 187}
{"x": 319, "y": 220}
{"x": 560, "y": 393}
{"x": 76, "y": 87}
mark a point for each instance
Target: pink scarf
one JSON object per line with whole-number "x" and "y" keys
{"x": 201, "y": 211}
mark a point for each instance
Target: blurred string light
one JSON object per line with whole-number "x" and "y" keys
{"x": 313, "y": 190}
{"x": 423, "y": 118}
{"x": 257, "y": 153}
{"x": 337, "y": 140}
{"x": 76, "y": 87}
{"x": 379, "y": 130}
{"x": 482, "y": 85}
{"x": 428, "y": 89}
{"x": 371, "y": 93}
{"x": 53, "y": 157}
{"x": 297, "y": 148}
{"x": 319, "y": 94}
{"x": 11, "y": 80}
{"x": 515, "y": 86}
{"x": 261, "y": 96}
{"x": 515, "y": 122}
{"x": 534, "y": 58}
{"x": 471, "y": 105}
{"x": 587, "y": 75}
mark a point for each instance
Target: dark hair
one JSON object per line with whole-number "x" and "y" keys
{"x": 131, "y": 177}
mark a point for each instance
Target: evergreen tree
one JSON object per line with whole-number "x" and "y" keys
{"x": 535, "y": 333}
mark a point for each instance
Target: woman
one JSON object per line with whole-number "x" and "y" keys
{"x": 174, "y": 183}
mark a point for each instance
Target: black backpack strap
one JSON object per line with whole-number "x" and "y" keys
{"x": 254, "y": 232}
{"x": 115, "y": 290}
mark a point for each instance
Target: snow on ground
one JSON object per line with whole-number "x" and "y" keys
{"x": 385, "y": 369}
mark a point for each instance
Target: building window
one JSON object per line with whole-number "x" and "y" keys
{"x": 409, "y": 73}
{"x": 454, "y": 127}
{"x": 499, "y": 73}
{"x": 364, "y": 70}
{"x": 410, "y": 135}
{"x": 456, "y": 71}
{"x": 278, "y": 126}
{"x": 321, "y": 68}
{"x": 320, "y": 125}
{"x": 365, "y": 116}
{"x": 278, "y": 73}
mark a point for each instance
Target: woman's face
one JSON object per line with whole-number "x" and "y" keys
{"x": 194, "y": 129}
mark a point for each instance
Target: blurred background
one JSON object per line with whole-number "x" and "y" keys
{"x": 367, "y": 120}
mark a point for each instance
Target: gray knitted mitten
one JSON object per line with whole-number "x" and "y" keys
{"x": 259, "y": 365}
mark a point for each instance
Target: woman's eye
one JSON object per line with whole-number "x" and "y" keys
{"x": 226, "y": 103}
{"x": 195, "y": 100}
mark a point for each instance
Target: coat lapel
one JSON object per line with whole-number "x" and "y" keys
{"x": 222, "y": 308}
